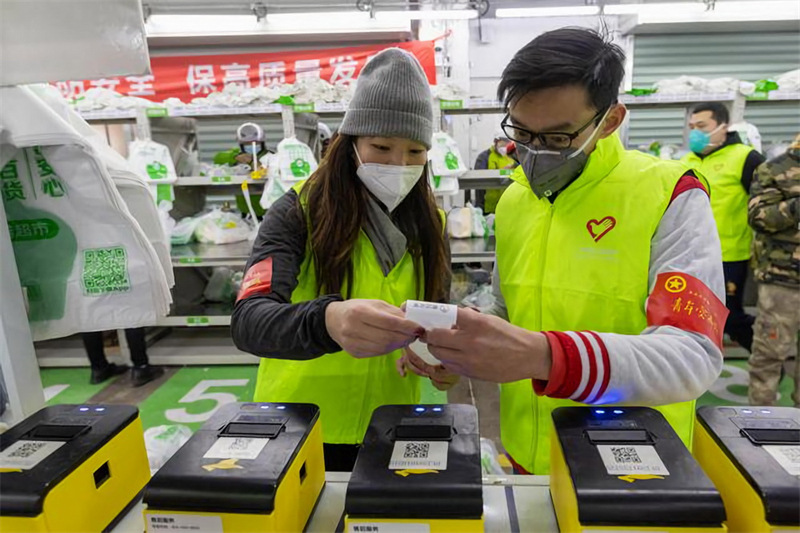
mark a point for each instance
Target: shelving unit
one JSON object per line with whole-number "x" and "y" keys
{"x": 200, "y": 334}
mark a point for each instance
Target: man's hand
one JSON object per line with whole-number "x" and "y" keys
{"x": 489, "y": 348}
{"x": 366, "y": 328}
{"x": 441, "y": 378}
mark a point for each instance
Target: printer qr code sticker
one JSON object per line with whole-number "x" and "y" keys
{"x": 26, "y": 454}
{"x": 416, "y": 450}
{"x": 387, "y": 527}
{"x": 419, "y": 455}
{"x": 787, "y": 456}
{"x": 632, "y": 460}
{"x": 236, "y": 448}
{"x": 625, "y": 454}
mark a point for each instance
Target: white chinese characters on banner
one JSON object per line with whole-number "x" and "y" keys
{"x": 105, "y": 83}
{"x": 273, "y": 73}
{"x": 344, "y": 70}
{"x": 236, "y": 74}
{"x": 141, "y": 85}
{"x": 71, "y": 89}
{"x": 201, "y": 79}
{"x": 307, "y": 69}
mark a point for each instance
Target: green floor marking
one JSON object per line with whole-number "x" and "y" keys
{"x": 731, "y": 387}
{"x": 430, "y": 394}
{"x": 69, "y": 385}
{"x": 193, "y": 394}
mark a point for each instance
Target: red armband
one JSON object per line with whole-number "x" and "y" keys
{"x": 684, "y": 302}
{"x": 257, "y": 280}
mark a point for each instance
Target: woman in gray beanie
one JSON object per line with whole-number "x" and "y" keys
{"x": 337, "y": 256}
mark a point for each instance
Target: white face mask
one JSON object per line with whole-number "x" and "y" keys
{"x": 388, "y": 183}
{"x": 502, "y": 150}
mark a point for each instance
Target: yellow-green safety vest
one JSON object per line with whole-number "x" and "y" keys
{"x": 346, "y": 389}
{"x": 723, "y": 170}
{"x": 557, "y": 275}
{"x": 496, "y": 162}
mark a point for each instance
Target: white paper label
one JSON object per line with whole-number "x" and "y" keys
{"x": 431, "y": 315}
{"x": 387, "y": 527}
{"x": 26, "y": 454}
{"x": 787, "y": 456}
{"x": 623, "y": 460}
{"x": 431, "y": 455}
{"x": 163, "y": 523}
{"x": 236, "y": 448}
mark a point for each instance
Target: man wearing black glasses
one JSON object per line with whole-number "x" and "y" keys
{"x": 608, "y": 280}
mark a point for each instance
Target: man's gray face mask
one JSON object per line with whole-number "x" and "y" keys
{"x": 551, "y": 171}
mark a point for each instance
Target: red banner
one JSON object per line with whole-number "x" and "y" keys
{"x": 188, "y": 77}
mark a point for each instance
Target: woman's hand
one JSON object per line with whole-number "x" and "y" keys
{"x": 441, "y": 378}
{"x": 366, "y": 328}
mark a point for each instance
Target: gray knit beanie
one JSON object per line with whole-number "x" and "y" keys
{"x": 392, "y": 99}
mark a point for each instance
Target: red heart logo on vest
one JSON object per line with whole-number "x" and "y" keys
{"x": 598, "y": 228}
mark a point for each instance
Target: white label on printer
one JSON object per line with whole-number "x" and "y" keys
{"x": 26, "y": 454}
{"x": 430, "y": 455}
{"x": 625, "y": 460}
{"x": 431, "y": 315}
{"x": 387, "y": 527}
{"x": 787, "y": 456}
{"x": 236, "y": 448}
{"x": 167, "y": 523}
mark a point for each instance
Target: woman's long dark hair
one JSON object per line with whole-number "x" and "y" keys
{"x": 336, "y": 203}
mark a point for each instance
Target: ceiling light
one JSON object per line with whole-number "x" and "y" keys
{"x": 428, "y": 14}
{"x": 697, "y": 12}
{"x": 563, "y": 11}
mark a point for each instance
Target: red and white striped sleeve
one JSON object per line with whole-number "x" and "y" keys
{"x": 679, "y": 355}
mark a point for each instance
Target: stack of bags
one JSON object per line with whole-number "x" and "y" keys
{"x": 86, "y": 235}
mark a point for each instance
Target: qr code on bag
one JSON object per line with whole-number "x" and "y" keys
{"x": 416, "y": 450}
{"x": 105, "y": 270}
{"x": 27, "y": 449}
{"x": 625, "y": 455}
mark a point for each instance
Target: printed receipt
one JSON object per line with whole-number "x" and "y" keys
{"x": 430, "y": 316}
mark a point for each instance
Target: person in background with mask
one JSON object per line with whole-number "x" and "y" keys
{"x": 337, "y": 256}
{"x": 608, "y": 275}
{"x": 251, "y": 140}
{"x": 497, "y": 157}
{"x": 728, "y": 165}
{"x": 774, "y": 214}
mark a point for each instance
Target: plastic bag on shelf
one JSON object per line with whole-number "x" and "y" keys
{"x": 222, "y": 227}
{"x": 479, "y": 227}
{"x": 748, "y": 133}
{"x": 459, "y": 223}
{"x": 152, "y": 161}
{"x": 161, "y": 443}
{"x": 489, "y": 463}
{"x": 490, "y": 223}
{"x": 274, "y": 188}
{"x": 296, "y": 161}
{"x": 445, "y": 156}
{"x": 482, "y": 297}
{"x": 220, "y": 286}
{"x": 183, "y": 232}
{"x": 84, "y": 261}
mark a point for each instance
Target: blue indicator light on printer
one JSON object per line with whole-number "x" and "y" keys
{"x": 766, "y": 411}
{"x": 437, "y": 409}
{"x": 99, "y": 409}
{"x": 600, "y": 411}
{"x": 747, "y": 411}
{"x": 420, "y": 409}
{"x": 265, "y": 406}
{"x": 281, "y": 407}
{"x": 83, "y": 409}
{"x": 617, "y": 411}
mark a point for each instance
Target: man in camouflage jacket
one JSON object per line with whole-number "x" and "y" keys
{"x": 774, "y": 214}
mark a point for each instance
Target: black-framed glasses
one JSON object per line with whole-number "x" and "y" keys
{"x": 556, "y": 140}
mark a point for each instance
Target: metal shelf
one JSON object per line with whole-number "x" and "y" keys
{"x": 116, "y": 115}
{"x": 474, "y": 250}
{"x": 211, "y": 255}
{"x": 70, "y": 352}
{"x": 198, "y": 316}
{"x": 205, "y": 346}
{"x": 485, "y": 179}
{"x": 214, "y": 181}
{"x": 776, "y": 96}
{"x": 677, "y": 100}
